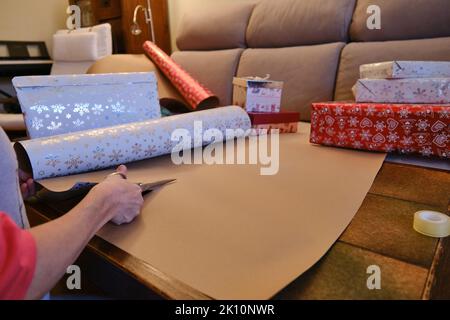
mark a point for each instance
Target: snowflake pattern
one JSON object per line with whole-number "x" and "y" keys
{"x": 427, "y": 90}
{"x": 404, "y": 113}
{"x": 115, "y": 155}
{"x": 338, "y": 111}
{"x": 386, "y": 128}
{"x": 98, "y": 153}
{"x": 78, "y": 123}
{"x": 393, "y": 137}
{"x": 97, "y": 109}
{"x": 380, "y": 126}
{"x": 422, "y": 125}
{"x": 39, "y": 108}
{"x": 444, "y": 113}
{"x": 136, "y": 148}
{"x": 365, "y": 135}
{"x": 353, "y": 122}
{"x": 54, "y": 126}
{"x": 37, "y": 123}
{"x": 81, "y": 108}
{"x": 52, "y": 160}
{"x": 58, "y": 108}
{"x": 73, "y": 162}
{"x": 118, "y": 108}
{"x": 426, "y": 151}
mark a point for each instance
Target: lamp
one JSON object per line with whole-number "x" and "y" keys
{"x": 135, "y": 28}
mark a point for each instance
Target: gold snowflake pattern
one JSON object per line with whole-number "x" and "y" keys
{"x": 115, "y": 155}
{"x": 74, "y": 162}
{"x": 136, "y": 148}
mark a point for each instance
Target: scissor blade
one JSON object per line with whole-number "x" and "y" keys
{"x": 145, "y": 187}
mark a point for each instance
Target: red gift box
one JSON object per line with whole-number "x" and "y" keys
{"x": 285, "y": 122}
{"x": 405, "y": 128}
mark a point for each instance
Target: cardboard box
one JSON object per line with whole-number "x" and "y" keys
{"x": 257, "y": 95}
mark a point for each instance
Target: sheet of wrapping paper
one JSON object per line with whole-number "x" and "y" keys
{"x": 61, "y": 104}
{"x": 405, "y": 69}
{"x": 101, "y": 148}
{"x": 234, "y": 234}
{"x": 420, "y": 90}
{"x": 195, "y": 94}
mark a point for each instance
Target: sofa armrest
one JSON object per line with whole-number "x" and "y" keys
{"x": 123, "y": 63}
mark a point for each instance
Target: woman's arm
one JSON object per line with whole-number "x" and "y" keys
{"x": 60, "y": 241}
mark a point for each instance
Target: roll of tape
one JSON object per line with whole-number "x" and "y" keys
{"x": 432, "y": 224}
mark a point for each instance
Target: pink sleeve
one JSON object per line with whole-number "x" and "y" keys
{"x": 17, "y": 259}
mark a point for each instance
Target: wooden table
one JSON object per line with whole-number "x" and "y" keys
{"x": 412, "y": 266}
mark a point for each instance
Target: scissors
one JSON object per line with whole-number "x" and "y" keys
{"x": 82, "y": 188}
{"x": 148, "y": 187}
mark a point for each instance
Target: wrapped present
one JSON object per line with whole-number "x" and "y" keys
{"x": 430, "y": 91}
{"x": 405, "y": 69}
{"x": 62, "y": 104}
{"x": 257, "y": 94}
{"x": 285, "y": 122}
{"x": 422, "y": 129}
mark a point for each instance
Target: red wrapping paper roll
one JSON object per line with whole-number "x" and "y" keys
{"x": 195, "y": 94}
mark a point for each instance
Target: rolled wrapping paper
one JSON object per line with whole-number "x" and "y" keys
{"x": 432, "y": 224}
{"x": 195, "y": 94}
{"x": 102, "y": 148}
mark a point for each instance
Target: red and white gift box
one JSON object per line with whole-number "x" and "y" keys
{"x": 257, "y": 94}
{"x": 422, "y": 129}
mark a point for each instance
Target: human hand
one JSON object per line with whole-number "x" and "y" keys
{"x": 120, "y": 200}
{"x": 27, "y": 187}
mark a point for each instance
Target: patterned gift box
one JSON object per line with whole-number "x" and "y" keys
{"x": 285, "y": 122}
{"x": 431, "y": 91}
{"x": 405, "y": 69}
{"x": 257, "y": 95}
{"x": 55, "y": 105}
{"x": 422, "y": 129}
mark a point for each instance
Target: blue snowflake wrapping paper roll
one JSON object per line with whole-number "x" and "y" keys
{"x": 102, "y": 148}
{"x": 54, "y": 105}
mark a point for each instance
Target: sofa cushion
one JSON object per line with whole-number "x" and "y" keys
{"x": 136, "y": 63}
{"x": 308, "y": 72}
{"x": 356, "y": 54}
{"x": 219, "y": 26}
{"x": 214, "y": 69}
{"x": 402, "y": 20}
{"x": 284, "y": 23}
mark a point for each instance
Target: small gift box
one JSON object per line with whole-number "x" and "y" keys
{"x": 433, "y": 90}
{"x": 257, "y": 94}
{"x": 422, "y": 129}
{"x": 405, "y": 69}
{"x": 285, "y": 122}
{"x": 54, "y": 105}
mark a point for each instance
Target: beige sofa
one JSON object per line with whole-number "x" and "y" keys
{"x": 314, "y": 46}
